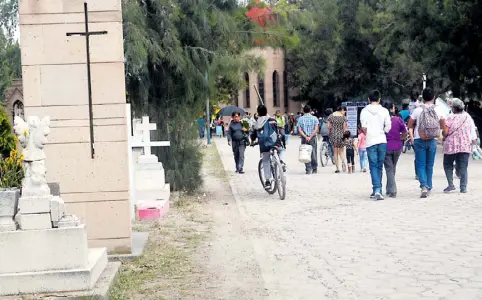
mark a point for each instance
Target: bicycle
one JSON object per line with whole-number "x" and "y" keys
{"x": 407, "y": 145}
{"x": 326, "y": 152}
{"x": 279, "y": 182}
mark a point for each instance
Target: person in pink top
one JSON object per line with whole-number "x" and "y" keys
{"x": 459, "y": 136}
{"x": 362, "y": 150}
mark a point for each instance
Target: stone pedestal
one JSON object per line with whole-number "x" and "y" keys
{"x": 152, "y": 193}
{"x": 55, "y": 85}
{"x": 52, "y": 260}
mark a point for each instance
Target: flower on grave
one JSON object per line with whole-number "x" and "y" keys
{"x": 25, "y": 133}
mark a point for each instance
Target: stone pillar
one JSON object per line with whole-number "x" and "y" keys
{"x": 55, "y": 85}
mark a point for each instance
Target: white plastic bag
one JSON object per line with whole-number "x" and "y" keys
{"x": 305, "y": 153}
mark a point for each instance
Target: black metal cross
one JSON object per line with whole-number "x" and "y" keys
{"x": 87, "y": 35}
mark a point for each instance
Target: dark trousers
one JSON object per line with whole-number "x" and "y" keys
{"x": 461, "y": 163}
{"x": 350, "y": 157}
{"x": 390, "y": 163}
{"x": 313, "y": 165}
{"x": 282, "y": 133}
{"x": 238, "y": 150}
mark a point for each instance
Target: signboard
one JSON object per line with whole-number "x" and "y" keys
{"x": 352, "y": 119}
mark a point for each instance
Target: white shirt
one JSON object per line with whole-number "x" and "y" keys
{"x": 376, "y": 119}
{"x": 416, "y": 116}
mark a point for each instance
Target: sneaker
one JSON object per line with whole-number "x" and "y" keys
{"x": 267, "y": 185}
{"x": 378, "y": 197}
{"x": 337, "y": 171}
{"x": 463, "y": 190}
{"x": 241, "y": 171}
{"x": 449, "y": 189}
{"x": 416, "y": 177}
{"x": 315, "y": 171}
{"x": 424, "y": 193}
{"x": 353, "y": 169}
{"x": 392, "y": 195}
{"x": 364, "y": 170}
{"x": 308, "y": 172}
{"x": 372, "y": 196}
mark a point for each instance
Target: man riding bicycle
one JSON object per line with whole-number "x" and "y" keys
{"x": 265, "y": 131}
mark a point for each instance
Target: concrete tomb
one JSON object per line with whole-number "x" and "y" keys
{"x": 55, "y": 84}
{"x": 49, "y": 252}
{"x": 151, "y": 191}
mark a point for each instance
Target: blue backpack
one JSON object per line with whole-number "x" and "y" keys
{"x": 267, "y": 136}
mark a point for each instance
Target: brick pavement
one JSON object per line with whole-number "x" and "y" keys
{"x": 328, "y": 240}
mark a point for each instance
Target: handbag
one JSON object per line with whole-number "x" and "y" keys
{"x": 304, "y": 155}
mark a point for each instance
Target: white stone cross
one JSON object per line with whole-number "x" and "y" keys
{"x": 145, "y": 127}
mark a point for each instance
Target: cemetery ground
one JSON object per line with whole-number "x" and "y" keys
{"x": 196, "y": 251}
{"x": 327, "y": 240}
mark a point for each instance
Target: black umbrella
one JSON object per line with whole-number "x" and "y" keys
{"x": 228, "y": 111}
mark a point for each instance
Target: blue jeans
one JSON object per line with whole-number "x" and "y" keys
{"x": 363, "y": 158}
{"x": 376, "y": 157}
{"x": 201, "y": 130}
{"x": 424, "y": 160}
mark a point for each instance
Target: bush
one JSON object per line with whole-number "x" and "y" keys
{"x": 183, "y": 159}
{"x": 7, "y": 139}
{"x": 11, "y": 171}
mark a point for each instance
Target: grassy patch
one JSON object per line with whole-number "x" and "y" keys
{"x": 167, "y": 270}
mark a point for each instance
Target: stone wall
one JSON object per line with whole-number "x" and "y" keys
{"x": 55, "y": 85}
{"x": 275, "y": 61}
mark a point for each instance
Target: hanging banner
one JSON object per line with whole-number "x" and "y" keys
{"x": 352, "y": 120}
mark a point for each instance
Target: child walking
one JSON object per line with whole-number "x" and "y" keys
{"x": 362, "y": 150}
{"x": 350, "y": 151}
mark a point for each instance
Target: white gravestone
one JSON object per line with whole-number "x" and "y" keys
{"x": 149, "y": 177}
{"x": 49, "y": 253}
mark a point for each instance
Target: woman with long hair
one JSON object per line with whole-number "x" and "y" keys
{"x": 395, "y": 138}
{"x": 337, "y": 125}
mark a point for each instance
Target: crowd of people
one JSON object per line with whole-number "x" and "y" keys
{"x": 382, "y": 132}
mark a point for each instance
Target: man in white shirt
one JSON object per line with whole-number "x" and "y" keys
{"x": 425, "y": 148}
{"x": 375, "y": 121}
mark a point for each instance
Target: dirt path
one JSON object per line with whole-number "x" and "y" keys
{"x": 199, "y": 251}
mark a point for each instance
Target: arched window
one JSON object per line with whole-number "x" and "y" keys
{"x": 261, "y": 88}
{"x": 285, "y": 88}
{"x": 18, "y": 109}
{"x": 275, "y": 89}
{"x": 247, "y": 99}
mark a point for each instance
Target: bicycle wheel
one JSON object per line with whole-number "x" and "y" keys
{"x": 272, "y": 190}
{"x": 280, "y": 180}
{"x": 324, "y": 154}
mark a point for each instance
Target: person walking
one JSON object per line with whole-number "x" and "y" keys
{"x": 237, "y": 136}
{"x": 350, "y": 151}
{"x": 201, "y": 123}
{"x": 281, "y": 122}
{"x": 308, "y": 128}
{"x": 324, "y": 130}
{"x": 459, "y": 136}
{"x": 362, "y": 150}
{"x": 426, "y": 124}
{"x": 337, "y": 125}
{"x": 395, "y": 138}
{"x": 375, "y": 122}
